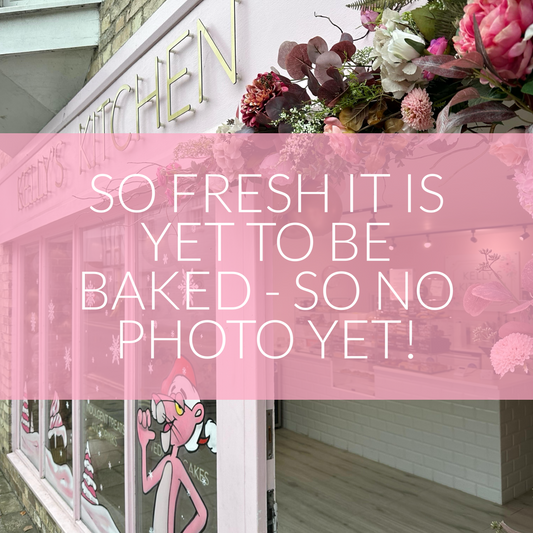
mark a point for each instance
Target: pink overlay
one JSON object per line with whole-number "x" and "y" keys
{"x": 338, "y": 266}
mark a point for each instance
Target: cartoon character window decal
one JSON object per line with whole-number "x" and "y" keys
{"x": 179, "y": 410}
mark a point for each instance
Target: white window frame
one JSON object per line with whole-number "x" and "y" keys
{"x": 241, "y": 484}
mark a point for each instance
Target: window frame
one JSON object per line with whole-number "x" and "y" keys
{"x": 67, "y": 517}
{"x": 236, "y": 479}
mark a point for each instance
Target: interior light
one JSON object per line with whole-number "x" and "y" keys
{"x": 427, "y": 244}
{"x": 392, "y": 245}
{"x": 473, "y": 238}
{"x": 524, "y": 235}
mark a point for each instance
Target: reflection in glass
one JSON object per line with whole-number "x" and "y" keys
{"x": 58, "y": 451}
{"x": 191, "y": 493}
{"x": 102, "y": 465}
{"x": 175, "y": 447}
{"x": 29, "y": 435}
{"x": 102, "y": 478}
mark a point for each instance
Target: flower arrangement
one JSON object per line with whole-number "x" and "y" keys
{"x": 512, "y": 344}
{"x": 466, "y": 64}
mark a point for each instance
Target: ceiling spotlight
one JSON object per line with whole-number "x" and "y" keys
{"x": 524, "y": 235}
{"x": 392, "y": 245}
{"x": 427, "y": 244}
{"x": 373, "y": 221}
{"x": 473, "y": 238}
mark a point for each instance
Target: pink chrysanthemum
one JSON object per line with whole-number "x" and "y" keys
{"x": 263, "y": 89}
{"x": 511, "y": 351}
{"x": 417, "y": 112}
{"x": 524, "y": 184}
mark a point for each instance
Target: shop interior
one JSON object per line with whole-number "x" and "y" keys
{"x": 373, "y": 464}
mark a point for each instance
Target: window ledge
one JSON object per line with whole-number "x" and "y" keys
{"x": 57, "y": 5}
{"x": 58, "y": 510}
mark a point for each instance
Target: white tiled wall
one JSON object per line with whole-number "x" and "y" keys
{"x": 455, "y": 443}
{"x": 516, "y": 447}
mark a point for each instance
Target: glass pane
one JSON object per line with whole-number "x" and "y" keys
{"x": 29, "y": 436}
{"x": 191, "y": 495}
{"x": 58, "y": 452}
{"x": 103, "y": 260}
{"x": 176, "y": 486}
{"x": 102, "y": 484}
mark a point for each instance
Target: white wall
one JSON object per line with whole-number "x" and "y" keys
{"x": 456, "y": 444}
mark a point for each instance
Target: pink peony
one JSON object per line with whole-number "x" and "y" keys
{"x": 510, "y": 352}
{"x": 437, "y": 47}
{"x": 502, "y": 24}
{"x": 417, "y": 112}
{"x": 368, "y": 19}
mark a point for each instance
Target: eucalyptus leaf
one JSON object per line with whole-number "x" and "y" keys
{"x": 434, "y": 64}
{"x": 480, "y": 47}
{"x": 487, "y": 112}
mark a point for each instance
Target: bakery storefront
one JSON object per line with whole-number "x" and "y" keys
{"x": 104, "y": 465}
{"x": 99, "y": 463}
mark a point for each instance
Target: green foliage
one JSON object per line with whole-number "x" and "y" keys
{"x": 439, "y": 18}
{"x": 486, "y": 93}
{"x": 306, "y": 119}
{"x": 527, "y": 88}
{"x": 425, "y": 21}
{"x": 380, "y": 5}
{"x": 364, "y": 57}
{"x": 419, "y": 47}
{"x": 357, "y": 93}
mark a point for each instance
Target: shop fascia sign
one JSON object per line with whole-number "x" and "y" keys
{"x": 39, "y": 179}
{"x": 88, "y": 156}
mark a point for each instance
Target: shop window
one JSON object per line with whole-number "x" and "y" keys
{"x": 102, "y": 479}
{"x": 103, "y": 476}
{"x": 102, "y": 259}
{"x": 181, "y": 425}
{"x": 175, "y": 458}
{"x": 196, "y": 498}
{"x": 58, "y": 325}
{"x": 29, "y": 434}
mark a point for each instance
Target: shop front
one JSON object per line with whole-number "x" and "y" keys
{"x": 112, "y": 465}
{"x": 111, "y": 439}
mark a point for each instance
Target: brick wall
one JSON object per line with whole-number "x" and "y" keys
{"x": 453, "y": 443}
{"x": 36, "y": 511}
{"x": 517, "y": 448}
{"x": 119, "y": 20}
{"x": 5, "y": 347}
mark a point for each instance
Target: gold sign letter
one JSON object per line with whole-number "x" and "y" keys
{"x": 230, "y": 71}
{"x": 171, "y": 79}
{"x": 154, "y": 94}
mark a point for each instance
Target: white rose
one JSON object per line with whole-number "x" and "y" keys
{"x": 400, "y": 48}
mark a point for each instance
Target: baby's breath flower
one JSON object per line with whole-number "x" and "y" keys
{"x": 362, "y": 56}
{"x": 201, "y": 147}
